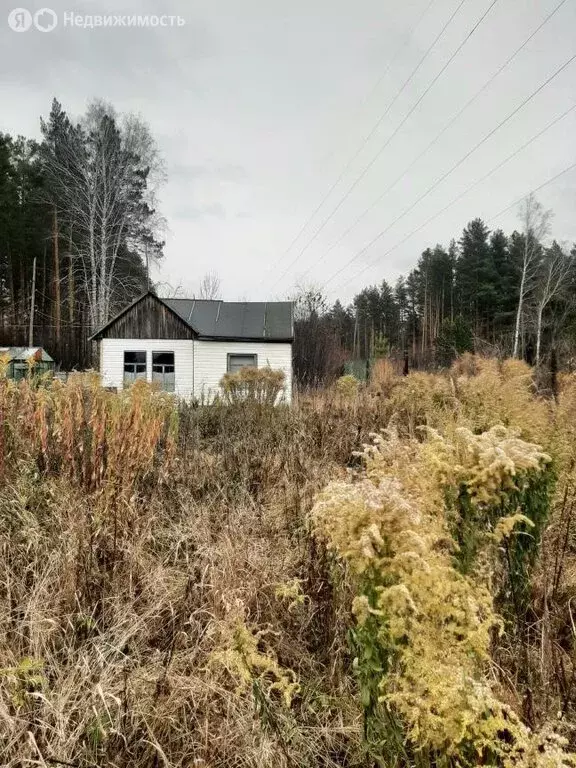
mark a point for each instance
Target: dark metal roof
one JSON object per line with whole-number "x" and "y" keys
{"x": 227, "y": 320}
{"x": 257, "y": 320}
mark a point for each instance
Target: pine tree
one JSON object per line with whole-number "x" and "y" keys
{"x": 507, "y": 284}
{"x": 476, "y": 278}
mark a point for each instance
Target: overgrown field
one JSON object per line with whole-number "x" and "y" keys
{"x": 374, "y": 577}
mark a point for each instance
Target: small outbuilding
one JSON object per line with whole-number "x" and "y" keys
{"x": 187, "y": 345}
{"x": 19, "y": 360}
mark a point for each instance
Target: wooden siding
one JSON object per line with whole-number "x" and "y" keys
{"x": 211, "y": 362}
{"x": 199, "y": 365}
{"x": 112, "y": 360}
{"x": 148, "y": 319}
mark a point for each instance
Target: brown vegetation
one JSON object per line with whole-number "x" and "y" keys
{"x": 165, "y": 600}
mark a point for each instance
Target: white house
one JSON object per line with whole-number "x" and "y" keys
{"x": 187, "y": 345}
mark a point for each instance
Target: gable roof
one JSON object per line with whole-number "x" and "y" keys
{"x": 25, "y": 353}
{"x": 225, "y": 320}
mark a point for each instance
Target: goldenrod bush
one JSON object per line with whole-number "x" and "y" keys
{"x": 422, "y": 399}
{"x": 347, "y": 386}
{"x": 424, "y": 629}
{"x": 502, "y": 392}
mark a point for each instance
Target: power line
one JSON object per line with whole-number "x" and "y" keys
{"x": 397, "y": 52}
{"x": 448, "y": 125}
{"x": 533, "y": 191}
{"x": 453, "y": 168}
{"x": 369, "y": 135}
{"x": 473, "y": 186}
{"x": 367, "y": 168}
{"x": 374, "y": 129}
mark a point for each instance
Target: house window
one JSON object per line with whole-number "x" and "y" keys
{"x": 237, "y": 362}
{"x": 163, "y": 370}
{"x": 134, "y": 367}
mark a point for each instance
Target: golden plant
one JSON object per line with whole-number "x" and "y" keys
{"x": 80, "y": 430}
{"x": 347, "y": 387}
{"x": 502, "y": 392}
{"x": 422, "y": 399}
{"x": 249, "y": 664}
{"x": 162, "y": 601}
{"x": 424, "y": 629}
{"x": 253, "y": 385}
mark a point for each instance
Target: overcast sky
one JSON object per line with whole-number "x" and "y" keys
{"x": 259, "y": 107}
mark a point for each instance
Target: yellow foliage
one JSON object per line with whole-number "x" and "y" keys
{"x": 563, "y": 437}
{"x": 489, "y": 464}
{"x": 80, "y": 430}
{"x": 506, "y": 525}
{"x": 24, "y": 678}
{"x": 347, "y": 387}
{"x": 422, "y": 399}
{"x": 436, "y": 623}
{"x": 501, "y": 392}
{"x": 247, "y": 664}
{"x": 260, "y": 385}
{"x": 4, "y": 364}
{"x": 291, "y": 591}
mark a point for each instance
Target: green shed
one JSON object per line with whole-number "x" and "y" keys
{"x": 19, "y": 358}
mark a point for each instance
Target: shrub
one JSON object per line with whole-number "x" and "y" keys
{"x": 97, "y": 438}
{"x": 347, "y": 387}
{"x": 254, "y": 385}
{"x": 422, "y": 399}
{"x": 423, "y": 628}
{"x": 502, "y": 392}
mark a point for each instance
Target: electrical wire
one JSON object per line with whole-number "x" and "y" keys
{"x": 376, "y": 157}
{"x": 456, "y": 165}
{"x": 532, "y": 191}
{"x": 367, "y": 138}
{"x": 475, "y": 184}
{"x": 438, "y": 136}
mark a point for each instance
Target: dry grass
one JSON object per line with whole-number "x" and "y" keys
{"x": 162, "y": 599}
{"x": 128, "y": 564}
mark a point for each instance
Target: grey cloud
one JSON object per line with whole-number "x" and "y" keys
{"x": 258, "y": 107}
{"x": 190, "y": 173}
{"x": 214, "y": 210}
{"x": 144, "y": 56}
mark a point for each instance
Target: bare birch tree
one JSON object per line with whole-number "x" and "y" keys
{"x": 169, "y": 291}
{"x": 210, "y": 287}
{"x": 553, "y": 281}
{"x": 535, "y": 226}
{"x": 103, "y": 173}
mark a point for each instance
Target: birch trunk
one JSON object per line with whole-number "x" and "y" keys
{"x": 57, "y": 306}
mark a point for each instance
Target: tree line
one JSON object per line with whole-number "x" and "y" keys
{"x": 502, "y": 294}
{"x": 78, "y": 227}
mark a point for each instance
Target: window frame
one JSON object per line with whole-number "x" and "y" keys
{"x": 135, "y": 374}
{"x": 231, "y": 355}
{"x": 165, "y": 385}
